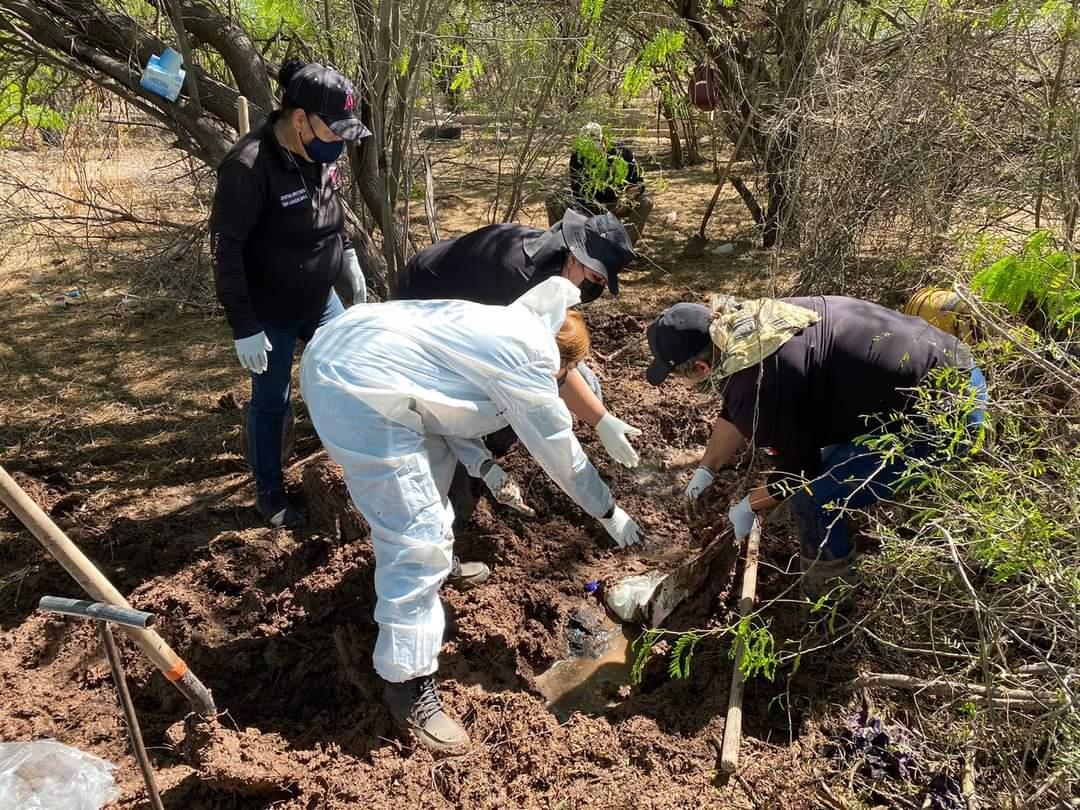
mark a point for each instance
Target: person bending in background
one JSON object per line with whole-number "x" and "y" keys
{"x": 278, "y": 240}
{"x": 604, "y": 176}
{"x": 497, "y": 264}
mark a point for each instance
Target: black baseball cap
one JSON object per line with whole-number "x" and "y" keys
{"x": 325, "y": 92}
{"x": 600, "y": 242}
{"x": 679, "y": 334}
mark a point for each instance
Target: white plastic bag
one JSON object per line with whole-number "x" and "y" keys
{"x": 48, "y": 775}
{"x": 629, "y": 600}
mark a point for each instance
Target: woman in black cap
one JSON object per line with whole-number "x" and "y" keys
{"x": 278, "y": 241}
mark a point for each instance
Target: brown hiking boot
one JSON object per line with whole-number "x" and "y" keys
{"x": 467, "y": 575}
{"x": 834, "y": 577}
{"x": 416, "y": 707}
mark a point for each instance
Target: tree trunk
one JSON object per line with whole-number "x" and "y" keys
{"x": 238, "y": 50}
{"x": 673, "y": 135}
{"x": 107, "y": 47}
{"x": 790, "y": 29}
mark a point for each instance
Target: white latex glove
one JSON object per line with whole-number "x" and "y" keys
{"x": 742, "y": 518}
{"x": 505, "y": 490}
{"x": 252, "y": 352}
{"x": 350, "y": 266}
{"x": 613, "y": 433}
{"x": 622, "y": 528}
{"x": 702, "y": 479}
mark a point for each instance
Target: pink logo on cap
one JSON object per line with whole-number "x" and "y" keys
{"x": 348, "y": 99}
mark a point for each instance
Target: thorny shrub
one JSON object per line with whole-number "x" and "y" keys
{"x": 978, "y": 581}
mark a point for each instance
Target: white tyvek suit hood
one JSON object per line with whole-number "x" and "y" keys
{"x": 459, "y": 370}
{"x": 549, "y": 301}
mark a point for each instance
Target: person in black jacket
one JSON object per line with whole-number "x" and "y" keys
{"x": 278, "y": 242}
{"x": 604, "y": 176}
{"x": 497, "y": 264}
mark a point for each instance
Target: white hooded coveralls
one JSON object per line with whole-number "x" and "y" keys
{"x": 398, "y": 393}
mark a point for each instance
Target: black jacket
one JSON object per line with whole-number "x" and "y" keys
{"x": 493, "y": 265}
{"x": 596, "y": 200}
{"x": 276, "y": 233}
{"x": 847, "y": 375}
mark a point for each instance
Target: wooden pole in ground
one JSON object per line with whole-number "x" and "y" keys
{"x": 723, "y": 179}
{"x": 242, "y": 115}
{"x": 729, "y": 752}
{"x": 138, "y": 747}
{"x": 92, "y": 581}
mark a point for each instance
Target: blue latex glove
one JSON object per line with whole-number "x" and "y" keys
{"x": 702, "y": 479}
{"x": 742, "y": 518}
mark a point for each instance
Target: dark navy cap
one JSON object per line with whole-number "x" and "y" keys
{"x": 325, "y": 92}
{"x": 679, "y": 334}
{"x": 600, "y": 242}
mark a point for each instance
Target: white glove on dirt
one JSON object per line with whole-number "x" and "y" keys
{"x": 622, "y": 528}
{"x": 613, "y": 433}
{"x": 252, "y": 352}
{"x": 505, "y": 490}
{"x": 702, "y": 479}
{"x": 742, "y": 518}
{"x": 350, "y": 266}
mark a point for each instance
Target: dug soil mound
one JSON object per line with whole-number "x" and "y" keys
{"x": 279, "y": 625}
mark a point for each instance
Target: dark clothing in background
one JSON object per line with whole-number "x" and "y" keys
{"x": 493, "y": 265}
{"x": 597, "y": 200}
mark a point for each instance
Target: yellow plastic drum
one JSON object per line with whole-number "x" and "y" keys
{"x": 944, "y": 309}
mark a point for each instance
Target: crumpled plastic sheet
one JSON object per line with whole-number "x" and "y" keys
{"x": 629, "y": 600}
{"x": 48, "y": 775}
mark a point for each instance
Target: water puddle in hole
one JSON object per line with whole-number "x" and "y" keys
{"x": 590, "y": 685}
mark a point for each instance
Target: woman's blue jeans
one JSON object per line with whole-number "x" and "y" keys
{"x": 270, "y": 392}
{"x": 854, "y": 476}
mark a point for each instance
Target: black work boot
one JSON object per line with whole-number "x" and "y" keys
{"x": 416, "y": 707}
{"x": 275, "y": 509}
{"x": 467, "y": 575}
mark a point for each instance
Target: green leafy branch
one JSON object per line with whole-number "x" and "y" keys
{"x": 600, "y": 170}
{"x": 1041, "y": 274}
{"x": 661, "y": 54}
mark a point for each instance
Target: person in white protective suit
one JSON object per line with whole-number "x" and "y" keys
{"x": 399, "y": 393}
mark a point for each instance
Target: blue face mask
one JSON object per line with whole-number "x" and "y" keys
{"x": 321, "y": 151}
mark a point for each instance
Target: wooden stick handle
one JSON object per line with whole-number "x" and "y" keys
{"x": 723, "y": 178}
{"x": 92, "y": 581}
{"x": 242, "y": 115}
{"x": 729, "y": 752}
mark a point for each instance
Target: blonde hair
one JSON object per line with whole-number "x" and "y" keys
{"x": 572, "y": 339}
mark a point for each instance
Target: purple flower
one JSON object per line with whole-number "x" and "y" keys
{"x": 592, "y": 586}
